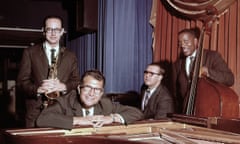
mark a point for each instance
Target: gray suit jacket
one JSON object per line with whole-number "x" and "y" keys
{"x": 60, "y": 115}
{"x": 160, "y": 103}
{"x": 217, "y": 68}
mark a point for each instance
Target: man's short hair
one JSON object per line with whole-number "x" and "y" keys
{"x": 161, "y": 70}
{"x": 95, "y": 74}
{"x": 50, "y": 17}
{"x": 195, "y": 32}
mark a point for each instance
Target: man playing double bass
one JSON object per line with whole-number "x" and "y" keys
{"x": 213, "y": 66}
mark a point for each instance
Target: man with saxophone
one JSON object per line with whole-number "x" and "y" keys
{"x": 47, "y": 70}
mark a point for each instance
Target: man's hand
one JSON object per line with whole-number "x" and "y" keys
{"x": 95, "y": 121}
{"x": 204, "y": 71}
{"x": 51, "y": 85}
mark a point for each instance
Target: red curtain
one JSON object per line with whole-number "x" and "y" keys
{"x": 224, "y": 37}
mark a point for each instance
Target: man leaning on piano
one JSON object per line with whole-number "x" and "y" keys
{"x": 87, "y": 107}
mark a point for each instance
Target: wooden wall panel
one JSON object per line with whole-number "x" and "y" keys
{"x": 237, "y": 65}
{"x": 221, "y": 35}
{"x": 224, "y": 38}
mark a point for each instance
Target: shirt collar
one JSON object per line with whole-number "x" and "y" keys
{"x": 91, "y": 111}
{"x": 48, "y": 47}
{"x": 193, "y": 54}
{"x": 151, "y": 90}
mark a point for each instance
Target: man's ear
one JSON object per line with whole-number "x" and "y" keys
{"x": 62, "y": 32}
{"x": 43, "y": 31}
{"x": 160, "y": 77}
{"x": 196, "y": 42}
{"x": 78, "y": 89}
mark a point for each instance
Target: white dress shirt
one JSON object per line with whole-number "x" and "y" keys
{"x": 188, "y": 61}
{"x": 90, "y": 110}
{"x": 48, "y": 51}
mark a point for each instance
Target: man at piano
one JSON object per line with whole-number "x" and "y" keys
{"x": 213, "y": 66}
{"x": 88, "y": 107}
{"x": 156, "y": 99}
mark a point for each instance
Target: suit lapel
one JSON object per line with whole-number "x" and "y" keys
{"x": 44, "y": 59}
{"x": 154, "y": 95}
{"x": 40, "y": 62}
{"x": 77, "y": 108}
{"x": 61, "y": 56}
{"x": 97, "y": 109}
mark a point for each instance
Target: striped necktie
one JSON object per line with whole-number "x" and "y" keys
{"x": 146, "y": 98}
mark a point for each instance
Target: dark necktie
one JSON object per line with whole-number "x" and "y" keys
{"x": 87, "y": 112}
{"x": 191, "y": 64}
{"x": 53, "y": 56}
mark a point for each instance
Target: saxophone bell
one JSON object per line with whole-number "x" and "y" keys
{"x": 52, "y": 95}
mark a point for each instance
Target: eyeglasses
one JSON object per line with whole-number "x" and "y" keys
{"x": 87, "y": 89}
{"x": 150, "y": 73}
{"x": 184, "y": 43}
{"x": 55, "y": 30}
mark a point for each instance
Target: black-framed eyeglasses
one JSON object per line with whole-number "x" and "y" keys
{"x": 55, "y": 30}
{"x": 88, "y": 88}
{"x": 150, "y": 73}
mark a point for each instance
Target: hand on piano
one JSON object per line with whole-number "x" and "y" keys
{"x": 95, "y": 121}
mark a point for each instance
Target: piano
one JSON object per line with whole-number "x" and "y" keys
{"x": 178, "y": 129}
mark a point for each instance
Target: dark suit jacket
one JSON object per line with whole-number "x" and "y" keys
{"x": 34, "y": 68}
{"x": 217, "y": 68}
{"x": 60, "y": 114}
{"x": 160, "y": 103}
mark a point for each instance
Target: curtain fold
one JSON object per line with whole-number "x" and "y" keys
{"x": 122, "y": 47}
{"x": 224, "y": 38}
{"x": 85, "y": 48}
{"x": 126, "y": 45}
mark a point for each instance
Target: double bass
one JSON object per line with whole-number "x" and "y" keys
{"x": 206, "y": 98}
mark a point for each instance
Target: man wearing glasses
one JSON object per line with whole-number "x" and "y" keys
{"x": 46, "y": 68}
{"x": 156, "y": 99}
{"x": 88, "y": 107}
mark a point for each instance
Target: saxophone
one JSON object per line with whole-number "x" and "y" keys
{"x": 52, "y": 75}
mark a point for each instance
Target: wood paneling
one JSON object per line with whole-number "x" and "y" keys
{"x": 224, "y": 37}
